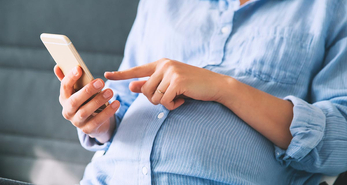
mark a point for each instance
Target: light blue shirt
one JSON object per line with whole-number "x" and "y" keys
{"x": 293, "y": 49}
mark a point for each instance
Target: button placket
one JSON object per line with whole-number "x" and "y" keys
{"x": 221, "y": 35}
{"x": 218, "y": 42}
{"x": 145, "y": 165}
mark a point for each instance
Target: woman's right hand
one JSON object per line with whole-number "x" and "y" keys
{"x": 96, "y": 125}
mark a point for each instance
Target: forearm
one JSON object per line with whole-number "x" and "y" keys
{"x": 269, "y": 115}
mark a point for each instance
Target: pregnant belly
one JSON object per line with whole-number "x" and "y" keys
{"x": 207, "y": 140}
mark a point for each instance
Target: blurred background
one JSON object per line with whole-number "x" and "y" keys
{"x": 37, "y": 144}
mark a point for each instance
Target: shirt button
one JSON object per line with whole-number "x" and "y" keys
{"x": 144, "y": 171}
{"x": 160, "y": 115}
{"x": 225, "y": 29}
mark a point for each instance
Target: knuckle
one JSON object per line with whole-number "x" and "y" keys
{"x": 72, "y": 102}
{"x": 66, "y": 115}
{"x": 97, "y": 102}
{"x": 143, "y": 90}
{"x": 167, "y": 63}
{"x": 64, "y": 87}
{"x": 164, "y": 63}
{"x": 61, "y": 100}
{"x": 88, "y": 90}
{"x": 86, "y": 130}
{"x": 176, "y": 79}
{"x": 147, "y": 91}
{"x": 76, "y": 124}
{"x": 175, "y": 71}
{"x": 169, "y": 106}
{"x": 155, "y": 100}
{"x": 164, "y": 103}
{"x": 82, "y": 114}
{"x": 65, "y": 82}
{"x": 164, "y": 59}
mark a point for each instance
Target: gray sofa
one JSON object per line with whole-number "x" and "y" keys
{"x": 37, "y": 144}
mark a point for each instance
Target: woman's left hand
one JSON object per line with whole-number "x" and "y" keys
{"x": 170, "y": 79}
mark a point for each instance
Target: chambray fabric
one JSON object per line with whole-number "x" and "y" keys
{"x": 292, "y": 49}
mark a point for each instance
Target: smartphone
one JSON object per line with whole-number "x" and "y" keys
{"x": 66, "y": 56}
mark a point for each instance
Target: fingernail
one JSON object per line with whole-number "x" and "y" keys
{"x": 75, "y": 71}
{"x": 97, "y": 84}
{"x": 114, "y": 105}
{"x": 107, "y": 94}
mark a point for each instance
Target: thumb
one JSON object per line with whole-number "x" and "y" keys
{"x": 58, "y": 72}
{"x": 136, "y": 86}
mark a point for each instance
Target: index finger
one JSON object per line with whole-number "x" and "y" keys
{"x": 135, "y": 72}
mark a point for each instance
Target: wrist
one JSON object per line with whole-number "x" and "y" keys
{"x": 107, "y": 134}
{"x": 227, "y": 91}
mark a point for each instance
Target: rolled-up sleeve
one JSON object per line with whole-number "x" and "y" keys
{"x": 319, "y": 143}
{"x": 319, "y": 128}
{"x": 307, "y": 128}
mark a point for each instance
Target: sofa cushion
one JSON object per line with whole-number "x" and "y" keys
{"x": 23, "y": 58}
{"x": 37, "y": 144}
{"x": 96, "y": 26}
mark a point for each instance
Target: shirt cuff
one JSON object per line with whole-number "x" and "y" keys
{"x": 91, "y": 144}
{"x": 307, "y": 129}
